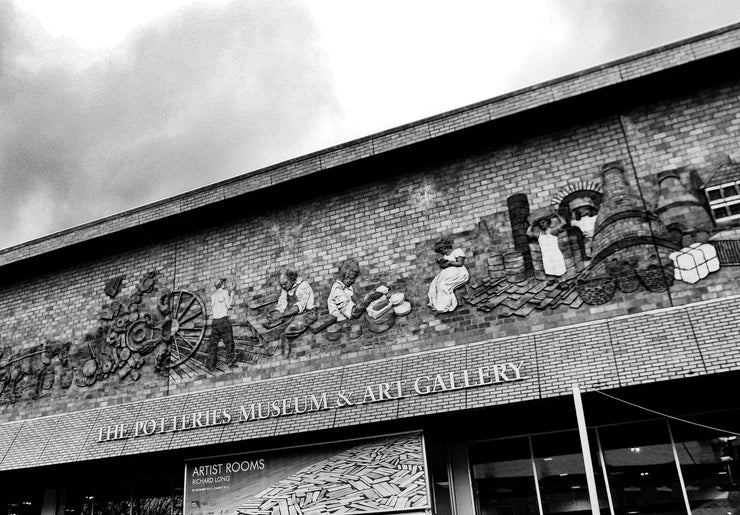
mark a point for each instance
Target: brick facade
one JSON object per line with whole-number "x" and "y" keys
{"x": 382, "y": 201}
{"x": 597, "y": 355}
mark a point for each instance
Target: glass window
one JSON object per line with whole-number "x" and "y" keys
{"x": 112, "y": 499}
{"x": 503, "y": 480}
{"x": 719, "y": 212}
{"x": 723, "y": 201}
{"x": 438, "y": 459}
{"x": 562, "y": 475}
{"x": 76, "y": 501}
{"x": 152, "y": 497}
{"x": 709, "y": 464}
{"x": 21, "y": 503}
{"x": 642, "y": 472}
{"x": 177, "y": 495}
{"x": 714, "y": 194}
{"x": 146, "y": 497}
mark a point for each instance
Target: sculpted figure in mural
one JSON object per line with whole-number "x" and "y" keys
{"x": 544, "y": 228}
{"x": 296, "y": 303}
{"x": 32, "y": 371}
{"x": 342, "y": 302}
{"x": 221, "y": 301}
{"x": 584, "y": 213}
{"x": 442, "y": 297}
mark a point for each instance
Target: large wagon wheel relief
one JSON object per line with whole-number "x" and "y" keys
{"x": 178, "y": 337}
{"x": 184, "y": 327}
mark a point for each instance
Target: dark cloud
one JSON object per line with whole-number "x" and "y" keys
{"x": 205, "y": 93}
{"x": 597, "y": 32}
{"x": 210, "y": 92}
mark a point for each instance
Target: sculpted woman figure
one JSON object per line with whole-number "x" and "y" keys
{"x": 453, "y": 274}
{"x": 545, "y": 229}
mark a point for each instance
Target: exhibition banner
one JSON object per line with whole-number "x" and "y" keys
{"x": 380, "y": 475}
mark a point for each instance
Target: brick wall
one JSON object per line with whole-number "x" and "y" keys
{"x": 385, "y": 212}
{"x": 681, "y": 342}
{"x": 696, "y": 49}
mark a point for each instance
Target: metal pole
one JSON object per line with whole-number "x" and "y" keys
{"x": 586, "y": 450}
{"x": 678, "y": 469}
{"x": 604, "y": 472}
{"x": 536, "y": 477}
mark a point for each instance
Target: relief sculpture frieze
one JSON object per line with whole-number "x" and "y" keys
{"x": 590, "y": 243}
{"x": 597, "y": 240}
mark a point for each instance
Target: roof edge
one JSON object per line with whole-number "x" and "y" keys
{"x": 568, "y": 86}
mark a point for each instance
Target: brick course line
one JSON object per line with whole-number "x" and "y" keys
{"x": 708, "y": 305}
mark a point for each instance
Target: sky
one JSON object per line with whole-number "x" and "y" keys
{"x": 107, "y": 105}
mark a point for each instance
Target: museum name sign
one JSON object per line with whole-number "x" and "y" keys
{"x": 286, "y": 406}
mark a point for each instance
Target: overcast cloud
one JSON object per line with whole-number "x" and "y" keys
{"x": 197, "y": 96}
{"x": 212, "y": 91}
{"x": 588, "y": 33}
